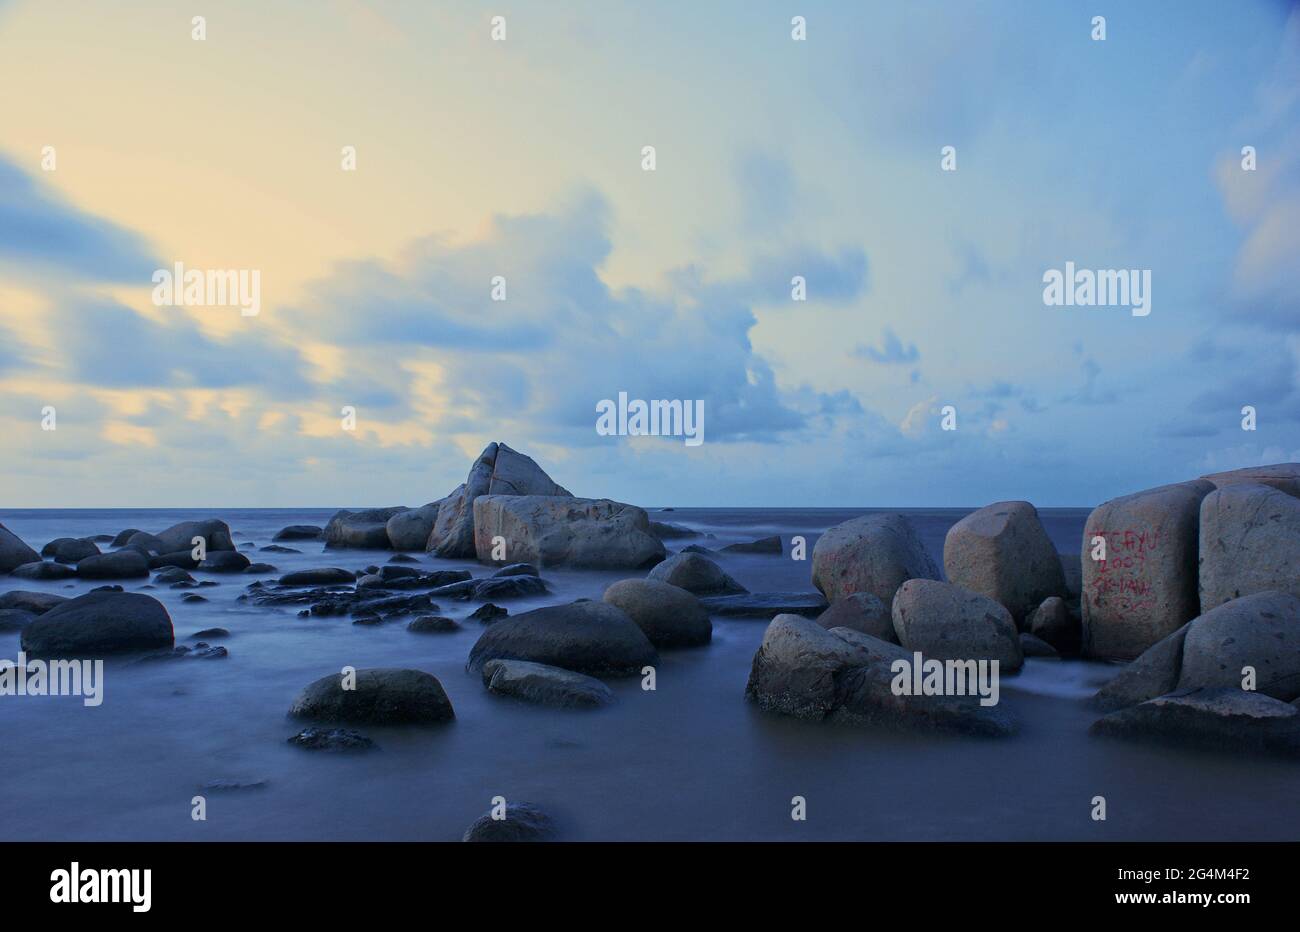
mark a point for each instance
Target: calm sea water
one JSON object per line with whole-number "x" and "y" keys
{"x": 691, "y": 760}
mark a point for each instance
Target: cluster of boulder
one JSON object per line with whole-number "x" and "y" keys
{"x": 508, "y": 498}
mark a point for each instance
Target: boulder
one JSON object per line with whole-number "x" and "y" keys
{"x": 874, "y": 553}
{"x": 1154, "y": 673}
{"x": 69, "y": 549}
{"x": 361, "y": 530}
{"x": 224, "y": 561}
{"x": 863, "y": 612}
{"x": 499, "y": 470}
{"x": 595, "y": 638}
{"x": 100, "y": 623}
{"x": 1249, "y": 542}
{"x": 120, "y": 564}
{"x": 545, "y": 685}
{"x": 410, "y": 530}
{"x": 299, "y": 532}
{"x": 13, "y": 552}
{"x": 145, "y": 544}
{"x": 948, "y": 622}
{"x": 331, "y": 739}
{"x": 319, "y": 576}
{"x": 1001, "y": 551}
{"x": 184, "y": 559}
{"x": 44, "y": 571}
{"x": 517, "y": 569}
{"x": 669, "y": 616}
{"x": 1145, "y": 589}
{"x": 764, "y": 604}
{"x": 432, "y": 624}
{"x": 554, "y": 530}
{"x": 15, "y": 619}
{"x": 1222, "y": 719}
{"x": 172, "y": 574}
{"x": 215, "y": 534}
{"x": 767, "y": 545}
{"x": 666, "y": 531}
{"x": 1054, "y": 623}
{"x": 1260, "y": 631}
{"x": 381, "y": 696}
{"x": 697, "y": 574}
{"x": 1033, "y": 646}
{"x": 519, "y": 822}
{"x": 124, "y": 536}
{"x": 1284, "y": 476}
{"x": 38, "y": 603}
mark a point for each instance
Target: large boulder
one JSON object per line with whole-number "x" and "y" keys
{"x": 948, "y": 622}
{"x": 874, "y": 553}
{"x": 13, "y": 552}
{"x": 215, "y": 535}
{"x": 43, "y": 571}
{"x": 1261, "y": 631}
{"x": 410, "y": 530}
{"x": 595, "y": 638}
{"x": 1146, "y": 587}
{"x": 100, "y": 623}
{"x": 499, "y": 470}
{"x": 863, "y": 612}
{"x": 224, "y": 561}
{"x": 1215, "y": 718}
{"x": 69, "y": 549}
{"x": 380, "y": 696}
{"x": 38, "y": 603}
{"x": 300, "y": 532}
{"x": 120, "y": 564}
{"x": 1154, "y": 673}
{"x": 1284, "y": 476}
{"x": 556, "y": 530}
{"x": 545, "y": 685}
{"x": 361, "y": 530}
{"x": 669, "y": 616}
{"x": 697, "y": 574}
{"x": 1001, "y": 551}
{"x": 1250, "y": 542}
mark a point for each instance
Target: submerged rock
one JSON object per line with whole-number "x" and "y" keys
{"x": 766, "y": 545}
{"x": 488, "y": 613}
{"x": 764, "y": 604}
{"x": 545, "y": 685}
{"x": 587, "y": 637}
{"x": 1216, "y": 718}
{"x": 432, "y": 624}
{"x": 520, "y": 822}
{"x": 43, "y": 571}
{"x": 319, "y": 576}
{"x": 331, "y": 739}
{"x": 696, "y": 574}
{"x": 122, "y": 564}
{"x": 15, "y": 619}
{"x": 299, "y": 532}
{"x": 38, "y": 603}
{"x": 669, "y": 616}
{"x": 225, "y": 561}
{"x": 100, "y": 623}
{"x": 383, "y": 696}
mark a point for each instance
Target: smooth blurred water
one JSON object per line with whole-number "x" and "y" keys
{"x": 691, "y": 760}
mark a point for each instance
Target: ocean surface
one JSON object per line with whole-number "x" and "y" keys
{"x": 691, "y": 760}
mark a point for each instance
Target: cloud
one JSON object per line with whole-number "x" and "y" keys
{"x": 892, "y": 351}
{"x": 42, "y": 235}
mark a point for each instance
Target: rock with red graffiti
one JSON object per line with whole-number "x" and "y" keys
{"x": 1250, "y": 542}
{"x": 1146, "y": 586}
{"x": 1002, "y": 551}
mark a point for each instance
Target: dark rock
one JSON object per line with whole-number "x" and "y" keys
{"x": 331, "y": 739}
{"x": 124, "y": 536}
{"x": 259, "y": 569}
{"x": 861, "y": 611}
{"x": 384, "y": 696}
{"x": 669, "y": 616}
{"x": 38, "y": 603}
{"x": 768, "y": 545}
{"x": 100, "y": 623}
{"x": 1054, "y": 623}
{"x": 319, "y": 576}
{"x": 402, "y": 558}
{"x": 1216, "y": 718}
{"x": 13, "y": 552}
{"x": 696, "y": 574}
{"x": 215, "y": 535}
{"x": 764, "y": 604}
{"x": 121, "y": 564}
{"x": 522, "y": 822}
{"x": 69, "y": 549}
{"x": 363, "y": 530}
{"x": 1033, "y": 646}
{"x": 15, "y": 619}
{"x": 182, "y": 559}
{"x": 587, "y": 637}
{"x": 224, "y": 561}
{"x": 211, "y": 633}
{"x": 300, "y": 532}
{"x": 518, "y": 569}
{"x": 276, "y": 548}
{"x": 191, "y": 598}
{"x": 488, "y": 613}
{"x": 43, "y": 571}
{"x": 432, "y": 624}
{"x": 666, "y": 531}
{"x": 545, "y": 685}
{"x": 173, "y": 574}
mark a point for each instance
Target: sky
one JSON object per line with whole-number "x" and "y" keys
{"x": 524, "y": 159}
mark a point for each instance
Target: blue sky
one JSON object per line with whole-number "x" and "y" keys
{"x": 522, "y": 158}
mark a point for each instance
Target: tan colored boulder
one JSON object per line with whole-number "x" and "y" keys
{"x": 1001, "y": 551}
{"x": 1249, "y": 542}
{"x": 874, "y": 553}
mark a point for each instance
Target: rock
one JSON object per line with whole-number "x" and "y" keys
{"x": 410, "y": 530}
{"x": 875, "y": 553}
{"x": 100, "y": 623}
{"x": 224, "y": 561}
{"x": 192, "y": 598}
{"x": 697, "y": 574}
{"x": 121, "y": 564}
{"x": 545, "y": 685}
{"x": 863, "y": 612}
{"x": 144, "y": 544}
{"x": 499, "y": 470}
{"x": 38, "y": 603}
{"x": 184, "y": 559}
{"x": 586, "y": 637}
{"x": 488, "y": 613}
{"x": 276, "y": 548}
{"x": 511, "y": 587}
{"x": 764, "y": 604}
{"x": 665, "y": 531}
{"x": 549, "y": 530}
{"x": 298, "y": 532}
{"x": 402, "y": 558}
{"x": 199, "y": 651}
{"x": 869, "y": 699}
{"x": 211, "y": 633}
{"x": 696, "y": 548}
{"x": 15, "y": 619}
{"x": 1001, "y": 551}
{"x": 173, "y": 574}
{"x": 1249, "y": 543}
{"x": 366, "y": 618}
{"x": 1033, "y": 646}
{"x": 43, "y": 570}
{"x": 1146, "y": 588}
{"x": 1054, "y": 623}
{"x": 69, "y": 549}
{"x": 1072, "y": 571}
{"x": 522, "y": 822}
{"x": 517, "y": 569}
{"x": 669, "y": 616}
{"x": 1284, "y": 476}
{"x": 389, "y": 572}
{"x": 363, "y": 530}
{"x": 215, "y": 535}
{"x": 319, "y": 576}
{"x": 382, "y": 696}
{"x": 1260, "y": 631}
{"x": 123, "y": 536}
{"x": 432, "y": 624}
{"x": 1154, "y": 673}
{"x": 260, "y": 569}
{"x": 947, "y": 622}
{"x": 331, "y": 739}
{"x": 13, "y": 552}
{"x": 1222, "y": 719}
{"x": 768, "y": 545}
